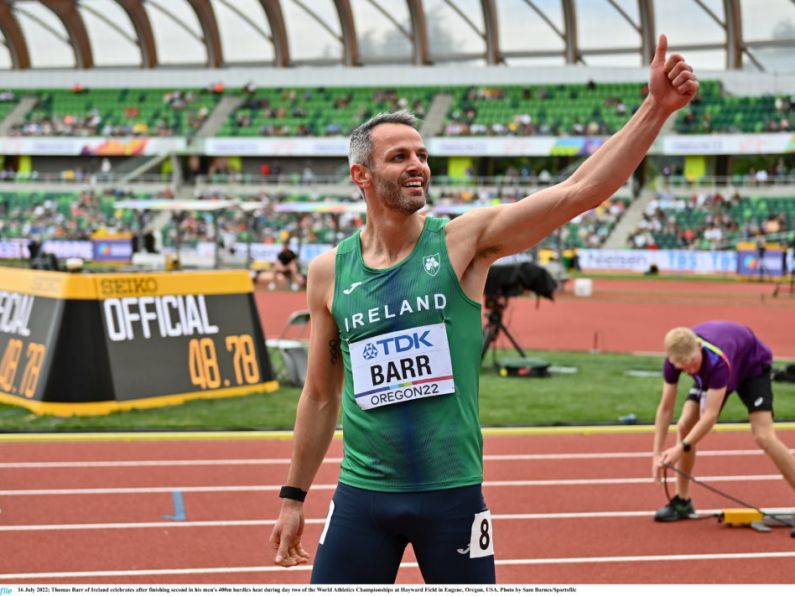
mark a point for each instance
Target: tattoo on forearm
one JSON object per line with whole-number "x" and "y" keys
{"x": 334, "y": 350}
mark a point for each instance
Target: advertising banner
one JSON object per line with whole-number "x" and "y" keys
{"x": 278, "y": 146}
{"x": 735, "y": 144}
{"x": 121, "y": 146}
{"x": 112, "y": 249}
{"x": 751, "y": 264}
{"x": 683, "y": 261}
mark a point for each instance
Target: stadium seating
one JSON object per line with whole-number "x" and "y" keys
{"x": 117, "y": 112}
{"x": 712, "y": 221}
{"x": 717, "y": 111}
{"x": 591, "y": 108}
{"x": 63, "y": 215}
{"x": 319, "y": 111}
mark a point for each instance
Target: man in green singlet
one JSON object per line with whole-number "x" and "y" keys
{"x": 396, "y": 339}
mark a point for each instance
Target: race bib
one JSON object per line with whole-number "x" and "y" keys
{"x": 401, "y": 366}
{"x": 481, "y": 541}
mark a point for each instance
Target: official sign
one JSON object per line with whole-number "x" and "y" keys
{"x": 92, "y": 344}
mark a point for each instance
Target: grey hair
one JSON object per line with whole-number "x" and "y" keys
{"x": 361, "y": 145}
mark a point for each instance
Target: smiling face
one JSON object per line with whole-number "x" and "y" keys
{"x": 399, "y": 172}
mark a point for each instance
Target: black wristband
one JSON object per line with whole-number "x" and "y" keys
{"x": 293, "y": 493}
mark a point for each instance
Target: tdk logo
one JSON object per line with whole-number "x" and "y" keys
{"x": 369, "y": 352}
{"x": 404, "y": 343}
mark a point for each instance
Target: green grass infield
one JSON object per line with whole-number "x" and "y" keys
{"x": 583, "y": 389}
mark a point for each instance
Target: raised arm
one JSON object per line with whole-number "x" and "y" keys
{"x": 318, "y": 410}
{"x": 493, "y": 232}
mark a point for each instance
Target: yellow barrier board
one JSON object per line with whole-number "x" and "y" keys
{"x": 75, "y": 343}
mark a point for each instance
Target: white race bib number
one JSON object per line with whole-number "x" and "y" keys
{"x": 481, "y": 540}
{"x": 401, "y": 366}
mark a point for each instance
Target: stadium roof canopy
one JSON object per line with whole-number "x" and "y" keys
{"x": 84, "y": 34}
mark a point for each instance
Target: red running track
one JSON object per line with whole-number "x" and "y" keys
{"x": 627, "y": 315}
{"x": 568, "y": 509}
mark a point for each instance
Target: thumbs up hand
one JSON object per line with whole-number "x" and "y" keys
{"x": 672, "y": 83}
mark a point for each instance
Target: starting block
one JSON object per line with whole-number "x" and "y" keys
{"x": 757, "y": 520}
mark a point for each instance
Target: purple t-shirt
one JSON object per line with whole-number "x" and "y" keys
{"x": 746, "y": 353}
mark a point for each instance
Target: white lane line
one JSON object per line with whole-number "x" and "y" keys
{"x": 153, "y": 463}
{"x": 144, "y": 463}
{"x": 648, "y": 558}
{"x": 514, "y": 562}
{"x": 273, "y": 487}
{"x": 321, "y": 520}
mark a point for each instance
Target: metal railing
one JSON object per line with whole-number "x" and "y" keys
{"x": 298, "y": 180}
{"x": 73, "y": 179}
{"x": 744, "y": 181}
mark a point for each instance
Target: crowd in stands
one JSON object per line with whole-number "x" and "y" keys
{"x": 318, "y": 111}
{"x": 700, "y": 221}
{"x": 61, "y": 216}
{"x": 113, "y": 113}
{"x": 591, "y": 109}
{"x": 588, "y": 230}
{"x": 552, "y": 110}
{"x": 716, "y": 111}
{"x": 263, "y": 225}
{"x": 711, "y": 221}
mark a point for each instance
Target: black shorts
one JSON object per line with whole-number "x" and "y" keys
{"x": 366, "y": 533}
{"x": 756, "y": 393}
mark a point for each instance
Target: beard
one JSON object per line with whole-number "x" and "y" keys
{"x": 391, "y": 195}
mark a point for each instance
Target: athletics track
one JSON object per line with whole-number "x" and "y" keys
{"x": 628, "y": 315}
{"x": 570, "y": 507}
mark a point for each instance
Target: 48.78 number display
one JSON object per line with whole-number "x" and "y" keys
{"x": 25, "y": 357}
{"x": 205, "y": 370}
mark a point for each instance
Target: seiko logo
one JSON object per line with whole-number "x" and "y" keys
{"x": 135, "y": 286}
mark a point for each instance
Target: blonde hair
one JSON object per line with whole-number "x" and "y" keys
{"x": 681, "y": 344}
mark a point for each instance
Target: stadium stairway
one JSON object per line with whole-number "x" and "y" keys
{"x": 433, "y": 123}
{"x": 633, "y": 214}
{"x": 222, "y": 111}
{"x": 143, "y": 166}
{"x": 18, "y": 114}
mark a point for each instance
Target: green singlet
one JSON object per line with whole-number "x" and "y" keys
{"x": 411, "y": 342}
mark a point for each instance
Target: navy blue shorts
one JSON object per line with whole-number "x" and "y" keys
{"x": 366, "y": 533}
